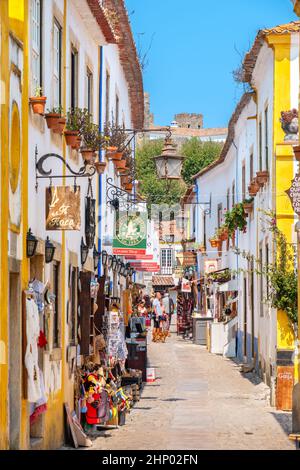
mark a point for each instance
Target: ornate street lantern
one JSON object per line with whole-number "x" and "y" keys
{"x": 169, "y": 164}
{"x": 31, "y": 244}
{"x": 104, "y": 257}
{"x": 96, "y": 257}
{"x": 114, "y": 263}
{"x": 84, "y": 251}
{"x": 49, "y": 251}
{"x": 119, "y": 266}
{"x": 110, "y": 261}
{"x": 122, "y": 270}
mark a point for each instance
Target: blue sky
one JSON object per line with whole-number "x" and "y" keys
{"x": 196, "y": 46}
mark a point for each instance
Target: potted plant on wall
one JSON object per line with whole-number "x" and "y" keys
{"x": 73, "y": 126}
{"x": 37, "y": 101}
{"x": 253, "y": 188}
{"x": 248, "y": 205}
{"x": 92, "y": 140}
{"x": 262, "y": 177}
{"x": 117, "y": 140}
{"x": 52, "y": 116}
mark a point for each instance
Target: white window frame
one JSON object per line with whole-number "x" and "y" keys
{"x": 56, "y": 64}
{"x": 36, "y": 9}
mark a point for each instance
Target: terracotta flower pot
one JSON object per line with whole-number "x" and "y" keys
{"x": 111, "y": 149}
{"x": 38, "y": 104}
{"x": 248, "y": 207}
{"x": 253, "y": 188}
{"x": 214, "y": 242}
{"x": 52, "y": 119}
{"x": 128, "y": 186}
{"x": 77, "y": 144}
{"x": 100, "y": 167}
{"x": 71, "y": 137}
{"x": 296, "y": 150}
{"x": 117, "y": 156}
{"x": 60, "y": 126}
{"x": 262, "y": 177}
{"x": 120, "y": 164}
{"x": 88, "y": 155}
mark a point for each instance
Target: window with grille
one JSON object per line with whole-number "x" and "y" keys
{"x": 55, "y": 287}
{"x": 266, "y": 138}
{"x": 36, "y": 44}
{"x": 260, "y": 145}
{"x": 74, "y": 78}
{"x": 57, "y": 64}
{"x": 89, "y": 91}
{"x": 107, "y": 96}
{"x": 166, "y": 259}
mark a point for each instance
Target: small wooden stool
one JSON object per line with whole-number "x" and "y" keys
{"x": 296, "y": 438}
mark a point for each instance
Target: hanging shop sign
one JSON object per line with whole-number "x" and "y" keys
{"x": 294, "y": 194}
{"x": 210, "y": 265}
{"x": 186, "y": 285}
{"x": 130, "y": 234}
{"x": 63, "y": 208}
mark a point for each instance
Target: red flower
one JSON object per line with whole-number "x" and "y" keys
{"x": 42, "y": 341}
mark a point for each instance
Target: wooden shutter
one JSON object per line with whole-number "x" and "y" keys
{"x": 85, "y": 303}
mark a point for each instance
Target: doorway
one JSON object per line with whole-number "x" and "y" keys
{"x": 15, "y": 359}
{"x": 245, "y": 317}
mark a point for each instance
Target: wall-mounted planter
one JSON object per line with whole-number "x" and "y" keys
{"x": 88, "y": 155}
{"x": 100, "y": 167}
{"x": 262, "y": 177}
{"x": 214, "y": 242}
{"x": 52, "y": 120}
{"x": 77, "y": 144}
{"x": 248, "y": 207}
{"x": 117, "y": 156}
{"x": 38, "y": 104}
{"x": 61, "y": 122}
{"x": 128, "y": 187}
{"x": 120, "y": 164}
{"x": 71, "y": 137}
{"x": 253, "y": 188}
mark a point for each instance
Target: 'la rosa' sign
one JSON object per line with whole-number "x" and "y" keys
{"x": 62, "y": 208}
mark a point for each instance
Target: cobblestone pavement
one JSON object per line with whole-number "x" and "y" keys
{"x": 198, "y": 401}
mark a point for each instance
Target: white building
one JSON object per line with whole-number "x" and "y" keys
{"x": 255, "y": 142}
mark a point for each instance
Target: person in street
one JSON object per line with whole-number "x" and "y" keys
{"x": 169, "y": 308}
{"x": 157, "y": 312}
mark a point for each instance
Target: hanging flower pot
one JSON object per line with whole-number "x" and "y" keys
{"x": 38, "y": 104}
{"x": 296, "y": 150}
{"x": 214, "y": 242}
{"x": 128, "y": 186}
{"x": 52, "y": 119}
{"x": 253, "y": 188}
{"x": 88, "y": 155}
{"x": 71, "y": 137}
{"x": 120, "y": 164}
{"x": 100, "y": 167}
{"x": 262, "y": 177}
{"x": 117, "y": 156}
{"x": 110, "y": 151}
{"x": 224, "y": 234}
{"x": 77, "y": 144}
{"x": 60, "y": 126}
{"x": 248, "y": 207}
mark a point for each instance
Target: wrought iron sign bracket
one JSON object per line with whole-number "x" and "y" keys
{"x": 119, "y": 198}
{"x": 86, "y": 171}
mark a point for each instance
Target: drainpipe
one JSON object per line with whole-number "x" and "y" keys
{"x": 100, "y": 158}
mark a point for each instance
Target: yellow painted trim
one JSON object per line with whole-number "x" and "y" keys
{"x": 24, "y": 439}
{"x": 4, "y": 75}
{"x": 284, "y": 165}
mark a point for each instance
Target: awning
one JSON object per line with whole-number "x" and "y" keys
{"x": 165, "y": 281}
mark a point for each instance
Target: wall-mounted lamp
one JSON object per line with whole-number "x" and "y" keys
{"x": 49, "y": 251}
{"x": 96, "y": 257}
{"x": 84, "y": 251}
{"x": 104, "y": 257}
{"x": 31, "y": 244}
{"x": 114, "y": 263}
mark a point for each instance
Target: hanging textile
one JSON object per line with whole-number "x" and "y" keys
{"x": 31, "y": 355}
{"x": 90, "y": 217}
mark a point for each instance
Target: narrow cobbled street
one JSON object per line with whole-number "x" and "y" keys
{"x": 199, "y": 401}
